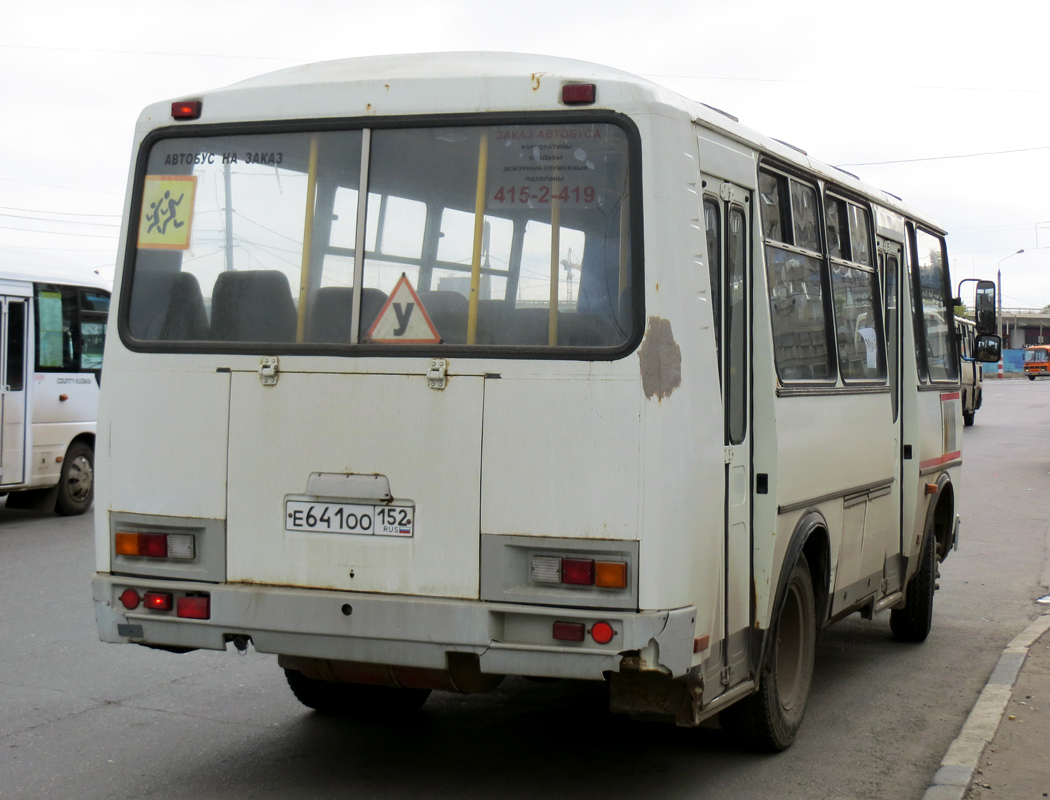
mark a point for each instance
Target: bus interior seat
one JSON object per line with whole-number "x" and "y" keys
{"x": 528, "y": 326}
{"x": 332, "y": 310}
{"x": 490, "y": 321}
{"x": 167, "y": 306}
{"x": 253, "y": 306}
{"x": 587, "y": 330}
{"x": 448, "y": 311}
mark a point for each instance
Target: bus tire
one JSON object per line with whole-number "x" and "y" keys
{"x": 1031, "y": 377}
{"x": 968, "y": 418}
{"x": 354, "y": 699}
{"x": 76, "y": 485}
{"x": 770, "y": 719}
{"x": 912, "y": 623}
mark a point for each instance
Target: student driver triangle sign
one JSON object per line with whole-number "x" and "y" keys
{"x": 403, "y": 319}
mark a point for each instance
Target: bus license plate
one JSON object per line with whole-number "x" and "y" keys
{"x": 360, "y": 518}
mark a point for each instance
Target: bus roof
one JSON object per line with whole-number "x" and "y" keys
{"x": 64, "y": 276}
{"x": 475, "y": 82}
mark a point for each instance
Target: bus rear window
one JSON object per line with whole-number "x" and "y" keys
{"x": 502, "y": 236}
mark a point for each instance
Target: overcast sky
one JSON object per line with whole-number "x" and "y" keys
{"x": 957, "y": 100}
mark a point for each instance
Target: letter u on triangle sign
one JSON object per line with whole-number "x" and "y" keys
{"x": 403, "y": 320}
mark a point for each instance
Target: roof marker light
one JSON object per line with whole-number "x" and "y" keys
{"x": 579, "y": 94}
{"x": 186, "y": 109}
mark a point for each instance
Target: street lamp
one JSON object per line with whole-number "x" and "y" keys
{"x": 999, "y": 289}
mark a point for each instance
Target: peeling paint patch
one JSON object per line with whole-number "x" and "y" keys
{"x": 660, "y": 359}
{"x": 536, "y": 80}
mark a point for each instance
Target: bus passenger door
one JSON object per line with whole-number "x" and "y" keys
{"x": 727, "y": 221}
{"x": 890, "y": 255}
{"x": 13, "y": 391}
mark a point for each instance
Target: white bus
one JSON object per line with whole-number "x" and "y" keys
{"x": 971, "y": 371}
{"x": 52, "y": 333}
{"x": 436, "y": 369}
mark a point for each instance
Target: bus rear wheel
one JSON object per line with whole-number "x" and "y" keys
{"x": 770, "y": 719}
{"x": 76, "y": 486}
{"x": 354, "y": 699}
{"x": 912, "y": 623}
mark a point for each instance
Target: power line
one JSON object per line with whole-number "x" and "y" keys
{"x": 852, "y": 84}
{"x": 62, "y": 233}
{"x": 61, "y": 213}
{"x": 68, "y": 188}
{"x": 148, "y": 53}
{"x": 61, "y": 221}
{"x": 943, "y": 158}
{"x": 61, "y": 249}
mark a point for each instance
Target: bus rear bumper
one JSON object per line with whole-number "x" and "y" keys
{"x": 406, "y": 631}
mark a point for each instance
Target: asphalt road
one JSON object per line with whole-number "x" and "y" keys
{"x": 81, "y": 719}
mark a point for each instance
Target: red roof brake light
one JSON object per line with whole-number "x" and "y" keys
{"x": 186, "y": 109}
{"x": 579, "y": 94}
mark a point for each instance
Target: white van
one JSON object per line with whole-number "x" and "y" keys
{"x": 52, "y": 334}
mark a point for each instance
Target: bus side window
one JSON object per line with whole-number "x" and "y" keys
{"x": 713, "y": 226}
{"x": 855, "y": 291}
{"x": 934, "y": 320}
{"x": 797, "y": 280}
{"x": 16, "y": 346}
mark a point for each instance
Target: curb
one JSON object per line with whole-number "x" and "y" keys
{"x": 953, "y": 779}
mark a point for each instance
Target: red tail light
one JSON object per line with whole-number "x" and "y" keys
{"x": 577, "y": 571}
{"x": 569, "y": 631}
{"x": 602, "y": 632}
{"x": 129, "y": 598}
{"x": 154, "y": 545}
{"x": 158, "y": 601}
{"x": 198, "y": 607}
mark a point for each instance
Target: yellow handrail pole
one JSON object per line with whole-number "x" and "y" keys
{"x": 479, "y": 233}
{"x": 552, "y": 314}
{"x": 308, "y": 236}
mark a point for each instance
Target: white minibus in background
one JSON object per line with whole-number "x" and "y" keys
{"x": 52, "y": 334}
{"x": 435, "y": 369}
{"x": 971, "y": 375}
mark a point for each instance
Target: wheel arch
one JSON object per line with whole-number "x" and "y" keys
{"x": 86, "y": 437}
{"x": 940, "y": 517}
{"x": 810, "y": 538}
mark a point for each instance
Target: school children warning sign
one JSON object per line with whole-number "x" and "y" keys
{"x": 167, "y": 212}
{"x": 403, "y": 320}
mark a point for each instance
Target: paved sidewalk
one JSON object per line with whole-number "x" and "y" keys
{"x": 1003, "y": 750}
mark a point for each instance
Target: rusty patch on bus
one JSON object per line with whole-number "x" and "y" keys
{"x": 660, "y": 359}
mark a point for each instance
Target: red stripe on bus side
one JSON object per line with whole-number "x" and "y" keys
{"x": 950, "y": 396}
{"x": 936, "y": 462}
